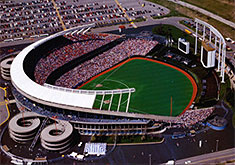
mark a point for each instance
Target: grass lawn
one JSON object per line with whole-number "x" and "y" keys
{"x": 155, "y": 84}
{"x": 178, "y": 10}
{"x": 219, "y": 7}
{"x": 170, "y": 30}
{"x": 128, "y": 139}
{"x": 175, "y": 33}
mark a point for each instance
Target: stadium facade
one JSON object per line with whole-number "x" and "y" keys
{"x": 72, "y": 105}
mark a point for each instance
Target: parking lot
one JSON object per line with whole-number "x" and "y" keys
{"x": 29, "y": 20}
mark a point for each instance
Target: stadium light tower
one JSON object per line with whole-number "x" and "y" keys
{"x": 211, "y": 49}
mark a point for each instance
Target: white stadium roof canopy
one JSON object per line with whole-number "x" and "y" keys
{"x": 30, "y": 88}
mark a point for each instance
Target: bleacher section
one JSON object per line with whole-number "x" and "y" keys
{"x": 42, "y": 51}
{"x": 60, "y": 56}
{"x": 107, "y": 59}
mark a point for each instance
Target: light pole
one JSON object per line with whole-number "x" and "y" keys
{"x": 150, "y": 157}
{"x": 217, "y": 143}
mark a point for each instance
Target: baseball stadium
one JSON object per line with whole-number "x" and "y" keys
{"x": 115, "y": 82}
{"x": 126, "y": 82}
{"x": 99, "y": 84}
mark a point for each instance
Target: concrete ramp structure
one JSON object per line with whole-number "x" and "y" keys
{"x": 23, "y": 127}
{"x": 57, "y": 137}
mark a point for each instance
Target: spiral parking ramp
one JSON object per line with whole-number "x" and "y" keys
{"x": 5, "y": 66}
{"x": 57, "y": 137}
{"x": 23, "y": 127}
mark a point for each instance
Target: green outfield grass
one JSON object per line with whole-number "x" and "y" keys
{"x": 155, "y": 84}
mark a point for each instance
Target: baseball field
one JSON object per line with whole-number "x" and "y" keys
{"x": 155, "y": 82}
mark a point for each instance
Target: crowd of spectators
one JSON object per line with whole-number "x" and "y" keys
{"x": 57, "y": 58}
{"x": 98, "y": 64}
{"x": 187, "y": 120}
{"x": 191, "y": 117}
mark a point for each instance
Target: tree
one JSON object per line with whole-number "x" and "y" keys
{"x": 93, "y": 138}
{"x": 143, "y": 138}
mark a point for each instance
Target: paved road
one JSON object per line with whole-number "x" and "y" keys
{"x": 4, "y": 114}
{"x": 45, "y": 20}
{"x": 179, "y": 149}
{"x": 171, "y": 20}
{"x": 218, "y": 18}
{"x": 211, "y": 158}
{"x": 20, "y": 42}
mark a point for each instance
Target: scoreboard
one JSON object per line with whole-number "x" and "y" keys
{"x": 208, "y": 54}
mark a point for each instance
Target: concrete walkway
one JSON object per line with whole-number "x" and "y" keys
{"x": 207, "y": 13}
{"x": 132, "y": 144}
{"x": 167, "y": 20}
